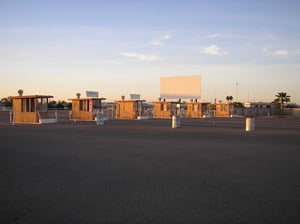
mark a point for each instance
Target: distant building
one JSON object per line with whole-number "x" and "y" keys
{"x": 86, "y": 109}
{"x": 31, "y": 109}
{"x": 260, "y": 105}
{"x": 261, "y": 109}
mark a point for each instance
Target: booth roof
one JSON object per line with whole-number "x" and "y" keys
{"x": 30, "y": 96}
{"x": 130, "y": 100}
{"x": 88, "y": 98}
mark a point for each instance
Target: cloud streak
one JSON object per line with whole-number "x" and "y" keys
{"x": 141, "y": 57}
{"x": 161, "y": 40}
{"x": 212, "y": 50}
{"x": 214, "y": 35}
{"x": 275, "y": 53}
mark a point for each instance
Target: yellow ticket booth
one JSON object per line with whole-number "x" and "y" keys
{"x": 165, "y": 109}
{"x": 86, "y": 109}
{"x": 129, "y": 109}
{"x": 32, "y": 109}
{"x": 224, "y": 109}
{"x": 196, "y": 109}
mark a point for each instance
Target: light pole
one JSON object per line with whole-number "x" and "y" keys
{"x": 236, "y": 91}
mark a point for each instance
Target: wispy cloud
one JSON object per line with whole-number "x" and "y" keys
{"x": 213, "y": 35}
{"x": 161, "y": 40}
{"x": 280, "y": 52}
{"x": 141, "y": 57}
{"x": 265, "y": 50}
{"x": 212, "y": 50}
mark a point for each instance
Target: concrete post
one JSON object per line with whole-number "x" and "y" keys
{"x": 250, "y": 124}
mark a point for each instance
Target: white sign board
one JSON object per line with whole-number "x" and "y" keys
{"x": 92, "y": 94}
{"x": 180, "y": 87}
{"x": 135, "y": 96}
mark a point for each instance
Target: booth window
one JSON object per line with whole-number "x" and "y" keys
{"x": 96, "y": 103}
{"x": 165, "y": 107}
{"x": 27, "y": 105}
{"x": 161, "y": 107}
{"x": 42, "y": 104}
{"x": 223, "y": 107}
{"x": 196, "y": 107}
{"x": 84, "y": 105}
{"x": 139, "y": 105}
{"x": 174, "y": 107}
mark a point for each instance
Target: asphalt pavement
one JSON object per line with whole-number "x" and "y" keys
{"x": 144, "y": 171}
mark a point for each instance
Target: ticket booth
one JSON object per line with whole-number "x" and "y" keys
{"x": 32, "y": 109}
{"x": 129, "y": 109}
{"x": 224, "y": 109}
{"x": 196, "y": 109}
{"x": 165, "y": 109}
{"x": 86, "y": 109}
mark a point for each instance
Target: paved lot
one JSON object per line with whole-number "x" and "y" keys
{"x": 208, "y": 171}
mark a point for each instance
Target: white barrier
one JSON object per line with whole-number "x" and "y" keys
{"x": 175, "y": 121}
{"x": 250, "y": 124}
{"x": 47, "y": 120}
{"x": 99, "y": 119}
{"x": 142, "y": 117}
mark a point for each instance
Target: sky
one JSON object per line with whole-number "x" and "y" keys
{"x": 246, "y": 49}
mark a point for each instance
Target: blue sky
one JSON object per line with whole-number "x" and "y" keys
{"x": 247, "y": 49}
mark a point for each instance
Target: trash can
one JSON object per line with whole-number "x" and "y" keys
{"x": 250, "y": 124}
{"x": 175, "y": 121}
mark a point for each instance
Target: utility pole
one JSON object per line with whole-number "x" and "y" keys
{"x": 236, "y": 91}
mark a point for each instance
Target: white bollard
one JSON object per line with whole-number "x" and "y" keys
{"x": 250, "y": 124}
{"x": 99, "y": 119}
{"x": 175, "y": 121}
